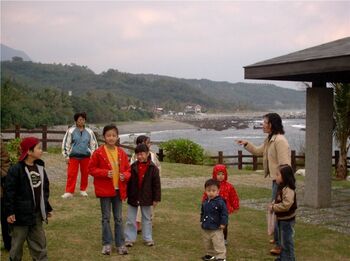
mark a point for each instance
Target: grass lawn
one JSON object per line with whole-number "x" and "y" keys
{"x": 178, "y": 170}
{"x": 74, "y": 231}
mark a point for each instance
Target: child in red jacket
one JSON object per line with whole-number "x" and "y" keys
{"x": 227, "y": 192}
{"x": 109, "y": 165}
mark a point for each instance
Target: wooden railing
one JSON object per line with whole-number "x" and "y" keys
{"x": 238, "y": 160}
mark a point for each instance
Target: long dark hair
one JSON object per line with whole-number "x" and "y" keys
{"x": 287, "y": 176}
{"x": 141, "y": 139}
{"x": 276, "y": 123}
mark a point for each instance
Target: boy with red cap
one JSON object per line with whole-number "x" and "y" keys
{"x": 27, "y": 205}
{"x": 227, "y": 192}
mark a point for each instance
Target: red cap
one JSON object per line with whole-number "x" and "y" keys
{"x": 26, "y": 144}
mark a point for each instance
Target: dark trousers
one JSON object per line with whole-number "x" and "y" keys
{"x": 286, "y": 234}
{"x": 35, "y": 237}
{"x": 225, "y": 232}
{"x": 275, "y": 233}
{"x": 5, "y": 227}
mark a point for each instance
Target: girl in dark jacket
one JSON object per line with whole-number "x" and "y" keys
{"x": 144, "y": 191}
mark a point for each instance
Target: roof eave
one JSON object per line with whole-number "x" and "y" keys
{"x": 333, "y": 69}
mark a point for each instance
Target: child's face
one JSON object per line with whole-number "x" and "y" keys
{"x": 36, "y": 153}
{"x": 279, "y": 179}
{"x": 142, "y": 156}
{"x": 148, "y": 143}
{"x": 111, "y": 137}
{"x": 212, "y": 191}
{"x": 220, "y": 177}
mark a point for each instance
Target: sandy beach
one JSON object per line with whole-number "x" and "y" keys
{"x": 152, "y": 125}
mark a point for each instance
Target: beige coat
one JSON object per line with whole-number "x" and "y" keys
{"x": 275, "y": 152}
{"x": 287, "y": 201}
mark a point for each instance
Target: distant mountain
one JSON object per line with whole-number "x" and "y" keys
{"x": 153, "y": 90}
{"x": 260, "y": 95}
{"x": 7, "y": 53}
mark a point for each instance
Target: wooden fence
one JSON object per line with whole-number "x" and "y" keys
{"x": 240, "y": 159}
{"x": 255, "y": 161}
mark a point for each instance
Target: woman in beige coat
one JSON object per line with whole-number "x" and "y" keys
{"x": 275, "y": 151}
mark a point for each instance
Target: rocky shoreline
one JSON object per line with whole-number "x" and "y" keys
{"x": 223, "y": 121}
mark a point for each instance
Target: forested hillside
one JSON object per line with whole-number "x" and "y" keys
{"x": 106, "y": 96}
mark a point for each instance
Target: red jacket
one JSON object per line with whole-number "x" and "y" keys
{"x": 98, "y": 168}
{"x": 227, "y": 191}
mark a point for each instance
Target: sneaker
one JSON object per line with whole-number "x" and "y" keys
{"x": 67, "y": 195}
{"x": 129, "y": 244}
{"x": 83, "y": 193}
{"x": 149, "y": 243}
{"x": 122, "y": 250}
{"x": 220, "y": 259}
{"x": 276, "y": 251}
{"x": 106, "y": 250}
{"x": 208, "y": 257}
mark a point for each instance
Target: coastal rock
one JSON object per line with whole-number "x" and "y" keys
{"x": 300, "y": 172}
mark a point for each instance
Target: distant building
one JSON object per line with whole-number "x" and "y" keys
{"x": 193, "y": 109}
{"x": 128, "y": 108}
{"x": 159, "y": 110}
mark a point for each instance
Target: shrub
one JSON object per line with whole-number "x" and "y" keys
{"x": 13, "y": 149}
{"x": 183, "y": 151}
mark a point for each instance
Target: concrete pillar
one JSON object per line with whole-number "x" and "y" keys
{"x": 318, "y": 148}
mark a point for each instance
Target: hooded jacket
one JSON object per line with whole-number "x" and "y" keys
{"x": 19, "y": 194}
{"x": 99, "y": 166}
{"x": 227, "y": 191}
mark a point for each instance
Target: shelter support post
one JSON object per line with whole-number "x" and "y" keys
{"x": 319, "y": 123}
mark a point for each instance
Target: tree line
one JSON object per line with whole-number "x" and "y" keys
{"x": 33, "y": 107}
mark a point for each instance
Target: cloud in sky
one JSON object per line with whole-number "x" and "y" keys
{"x": 212, "y": 40}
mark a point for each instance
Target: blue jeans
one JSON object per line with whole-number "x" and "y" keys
{"x": 131, "y": 228}
{"x": 286, "y": 231}
{"x": 275, "y": 233}
{"x": 107, "y": 236}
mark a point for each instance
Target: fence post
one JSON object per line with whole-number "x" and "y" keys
{"x": 17, "y": 131}
{"x": 293, "y": 161}
{"x": 44, "y": 137}
{"x": 240, "y": 159}
{"x": 255, "y": 162}
{"x": 220, "y": 159}
{"x": 336, "y": 158}
{"x": 161, "y": 155}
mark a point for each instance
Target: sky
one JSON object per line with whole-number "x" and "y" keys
{"x": 186, "y": 39}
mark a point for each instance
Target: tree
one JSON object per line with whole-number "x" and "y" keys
{"x": 341, "y": 130}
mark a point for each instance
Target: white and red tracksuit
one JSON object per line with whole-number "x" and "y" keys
{"x": 78, "y": 147}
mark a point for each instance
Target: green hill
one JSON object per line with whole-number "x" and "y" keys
{"x": 106, "y": 95}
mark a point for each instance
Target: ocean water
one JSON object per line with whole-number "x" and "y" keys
{"x": 213, "y": 141}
